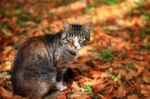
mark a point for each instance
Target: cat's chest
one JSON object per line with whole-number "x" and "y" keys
{"x": 62, "y": 57}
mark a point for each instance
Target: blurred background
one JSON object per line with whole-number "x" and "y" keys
{"x": 120, "y": 26}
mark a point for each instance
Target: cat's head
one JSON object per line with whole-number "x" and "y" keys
{"x": 74, "y": 37}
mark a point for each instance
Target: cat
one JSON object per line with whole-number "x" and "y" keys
{"x": 41, "y": 62}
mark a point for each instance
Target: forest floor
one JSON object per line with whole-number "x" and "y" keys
{"x": 116, "y": 62}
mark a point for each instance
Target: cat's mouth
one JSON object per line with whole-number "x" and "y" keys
{"x": 72, "y": 52}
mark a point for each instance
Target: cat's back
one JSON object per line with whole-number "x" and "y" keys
{"x": 36, "y": 49}
{"x": 31, "y": 46}
{"x": 31, "y": 51}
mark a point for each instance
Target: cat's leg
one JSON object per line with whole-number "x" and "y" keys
{"x": 60, "y": 76}
{"x": 60, "y": 86}
{"x": 69, "y": 75}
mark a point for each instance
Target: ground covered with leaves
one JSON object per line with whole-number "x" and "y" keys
{"x": 114, "y": 65}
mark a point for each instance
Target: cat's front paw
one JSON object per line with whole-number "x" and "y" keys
{"x": 60, "y": 86}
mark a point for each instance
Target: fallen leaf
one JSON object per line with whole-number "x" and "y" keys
{"x": 94, "y": 74}
{"x": 145, "y": 90}
{"x": 3, "y": 80}
{"x": 66, "y": 91}
{"x": 75, "y": 86}
{"x": 132, "y": 97}
{"x": 128, "y": 74}
{"x": 5, "y": 93}
{"x": 137, "y": 86}
{"x": 108, "y": 89}
{"x": 121, "y": 91}
{"x": 7, "y": 66}
{"x": 102, "y": 66}
{"x": 80, "y": 95}
{"x": 80, "y": 80}
{"x": 7, "y": 49}
{"x": 94, "y": 82}
{"x": 61, "y": 96}
{"x": 146, "y": 77}
{"x": 98, "y": 87}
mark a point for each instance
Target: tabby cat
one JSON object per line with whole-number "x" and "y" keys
{"x": 41, "y": 62}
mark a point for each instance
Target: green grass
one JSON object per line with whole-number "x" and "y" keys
{"x": 89, "y": 90}
{"x": 89, "y": 8}
{"x": 113, "y": 77}
{"x": 112, "y": 2}
{"x": 109, "y": 72}
{"x": 144, "y": 31}
{"x": 147, "y": 47}
{"x": 93, "y": 30}
{"x": 51, "y": 14}
{"x": 131, "y": 66}
{"x": 116, "y": 78}
{"x": 5, "y": 25}
{"x": 132, "y": 9}
{"x": 106, "y": 55}
{"x": 4, "y": 12}
{"x": 147, "y": 17}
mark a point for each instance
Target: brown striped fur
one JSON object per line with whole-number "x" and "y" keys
{"x": 41, "y": 61}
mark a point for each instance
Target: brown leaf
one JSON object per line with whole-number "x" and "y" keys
{"x": 137, "y": 86}
{"x": 128, "y": 74}
{"x": 132, "y": 97}
{"x": 98, "y": 87}
{"x": 120, "y": 92}
{"x": 80, "y": 80}
{"x": 94, "y": 74}
{"x": 146, "y": 77}
{"x": 103, "y": 97}
{"x": 16, "y": 97}
{"x": 7, "y": 66}
{"x": 5, "y": 93}
{"x": 94, "y": 82}
{"x": 45, "y": 22}
{"x": 80, "y": 95}
{"x": 145, "y": 90}
{"x": 2, "y": 57}
{"x": 108, "y": 89}
{"x": 102, "y": 66}
{"x": 75, "y": 86}
{"x": 3, "y": 80}
{"x": 66, "y": 91}
{"x": 61, "y": 96}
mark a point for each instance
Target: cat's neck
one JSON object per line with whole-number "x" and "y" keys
{"x": 71, "y": 52}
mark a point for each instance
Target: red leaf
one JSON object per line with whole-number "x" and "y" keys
{"x": 61, "y": 96}
{"x": 99, "y": 87}
{"x": 94, "y": 74}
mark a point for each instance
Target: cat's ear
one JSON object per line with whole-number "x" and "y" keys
{"x": 87, "y": 27}
{"x": 67, "y": 26}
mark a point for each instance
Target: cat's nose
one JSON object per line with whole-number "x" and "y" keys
{"x": 76, "y": 43}
{"x": 77, "y": 47}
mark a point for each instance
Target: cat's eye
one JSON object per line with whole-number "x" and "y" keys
{"x": 80, "y": 35}
{"x": 82, "y": 40}
{"x": 67, "y": 39}
{"x": 71, "y": 35}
